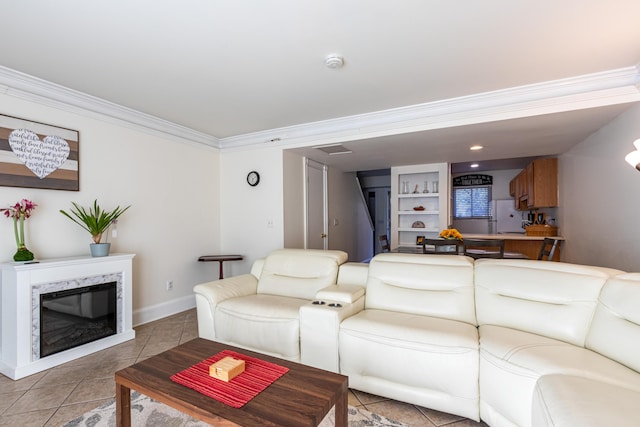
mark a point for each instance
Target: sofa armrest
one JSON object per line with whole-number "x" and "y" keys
{"x": 343, "y": 294}
{"x": 209, "y": 294}
{"x": 319, "y": 329}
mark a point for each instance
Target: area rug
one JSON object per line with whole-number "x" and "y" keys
{"x": 150, "y": 413}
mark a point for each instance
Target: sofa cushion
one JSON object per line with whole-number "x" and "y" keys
{"x": 568, "y": 401}
{"x": 423, "y": 360}
{"x": 264, "y": 323}
{"x": 299, "y": 273}
{"x": 546, "y": 298}
{"x": 511, "y": 362}
{"x": 429, "y": 285}
{"x": 615, "y": 330}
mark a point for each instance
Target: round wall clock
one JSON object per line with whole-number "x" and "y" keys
{"x": 253, "y": 178}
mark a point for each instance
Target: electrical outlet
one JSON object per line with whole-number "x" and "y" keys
{"x": 169, "y": 285}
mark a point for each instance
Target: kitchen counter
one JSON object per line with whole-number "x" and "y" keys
{"x": 513, "y": 242}
{"x": 509, "y": 236}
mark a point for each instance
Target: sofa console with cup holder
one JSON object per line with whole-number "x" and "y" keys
{"x": 509, "y": 342}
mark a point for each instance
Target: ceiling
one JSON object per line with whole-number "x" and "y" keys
{"x": 236, "y": 69}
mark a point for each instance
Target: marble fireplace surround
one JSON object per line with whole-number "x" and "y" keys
{"x": 20, "y": 288}
{"x": 64, "y": 285}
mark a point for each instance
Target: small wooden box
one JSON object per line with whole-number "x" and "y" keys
{"x": 226, "y": 368}
{"x": 541, "y": 230}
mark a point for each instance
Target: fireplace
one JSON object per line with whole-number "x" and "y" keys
{"x": 73, "y": 317}
{"x": 61, "y": 281}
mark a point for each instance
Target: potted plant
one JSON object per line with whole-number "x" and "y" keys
{"x": 96, "y": 221}
{"x": 20, "y": 212}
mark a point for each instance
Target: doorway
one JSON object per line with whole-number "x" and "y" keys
{"x": 316, "y": 206}
{"x": 376, "y": 188}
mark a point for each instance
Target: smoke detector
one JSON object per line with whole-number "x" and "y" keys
{"x": 334, "y": 62}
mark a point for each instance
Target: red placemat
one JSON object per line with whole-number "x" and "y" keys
{"x": 257, "y": 376}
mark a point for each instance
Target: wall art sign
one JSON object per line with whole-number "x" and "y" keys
{"x": 470, "y": 180}
{"x": 37, "y": 155}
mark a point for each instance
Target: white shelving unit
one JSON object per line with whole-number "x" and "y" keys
{"x": 408, "y": 185}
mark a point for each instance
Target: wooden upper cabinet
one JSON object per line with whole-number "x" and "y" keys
{"x": 536, "y": 186}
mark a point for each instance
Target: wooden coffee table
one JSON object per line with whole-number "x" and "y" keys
{"x": 301, "y": 397}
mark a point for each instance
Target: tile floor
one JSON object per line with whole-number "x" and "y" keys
{"x": 60, "y": 394}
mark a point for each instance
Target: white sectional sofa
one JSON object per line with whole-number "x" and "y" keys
{"x": 511, "y": 342}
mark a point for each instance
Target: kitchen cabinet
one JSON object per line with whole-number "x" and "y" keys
{"x": 418, "y": 206}
{"x": 536, "y": 186}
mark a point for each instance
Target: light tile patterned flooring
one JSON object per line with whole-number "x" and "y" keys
{"x": 60, "y": 394}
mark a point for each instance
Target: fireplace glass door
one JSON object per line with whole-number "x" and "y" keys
{"x": 78, "y": 316}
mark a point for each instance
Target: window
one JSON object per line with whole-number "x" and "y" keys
{"x": 472, "y": 202}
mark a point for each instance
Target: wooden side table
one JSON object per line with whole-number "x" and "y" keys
{"x": 220, "y": 259}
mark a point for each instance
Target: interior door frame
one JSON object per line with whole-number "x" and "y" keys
{"x": 310, "y": 185}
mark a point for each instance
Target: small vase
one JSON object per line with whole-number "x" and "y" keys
{"x": 23, "y": 254}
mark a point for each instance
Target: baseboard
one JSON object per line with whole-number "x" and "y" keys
{"x": 158, "y": 311}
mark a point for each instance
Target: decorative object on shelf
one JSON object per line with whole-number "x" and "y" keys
{"x": 19, "y": 212}
{"x": 96, "y": 221}
{"x": 405, "y": 187}
{"x": 417, "y": 224}
{"x": 426, "y": 187}
{"x": 435, "y": 186}
{"x": 418, "y": 208}
{"x": 451, "y": 234}
{"x": 415, "y": 190}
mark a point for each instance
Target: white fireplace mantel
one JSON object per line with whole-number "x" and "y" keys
{"x": 19, "y": 282}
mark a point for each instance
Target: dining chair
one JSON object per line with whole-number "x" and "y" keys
{"x": 484, "y": 248}
{"x": 548, "y": 248}
{"x": 441, "y": 246}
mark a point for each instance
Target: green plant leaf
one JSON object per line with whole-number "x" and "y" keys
{"x": 95, "y": 220}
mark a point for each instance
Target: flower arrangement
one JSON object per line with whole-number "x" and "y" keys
{"x": 451, "y": 234}
{"x": 19, "y": 212}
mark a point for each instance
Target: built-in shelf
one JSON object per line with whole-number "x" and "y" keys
{"x": 406, "y": 222}
{"x": 418, "y": 195}
{"x": 412, "y": 212}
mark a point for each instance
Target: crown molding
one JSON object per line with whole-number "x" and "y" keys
{"x": 25, "y": 86}
{"x": 581, "y": 92}
{"x": 588, "y": 91}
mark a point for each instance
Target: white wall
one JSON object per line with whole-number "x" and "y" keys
{"x": 246, "y": 211}
{"x": 294, "y": 200}
{"x": 600, "y": 197}
{"x": 349, "y": 227}
{"x": 174, "y": 218}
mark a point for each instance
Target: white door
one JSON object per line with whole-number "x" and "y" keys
{"x": 316, "y": 206}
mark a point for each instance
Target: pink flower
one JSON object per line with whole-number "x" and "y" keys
{"x": 23, "y": 207}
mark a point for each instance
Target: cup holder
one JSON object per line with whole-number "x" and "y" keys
{"x": 335, "y": 304}
{"x": 317, "y": 302}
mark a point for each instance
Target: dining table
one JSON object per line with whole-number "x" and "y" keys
{"x": 514, "y": 243}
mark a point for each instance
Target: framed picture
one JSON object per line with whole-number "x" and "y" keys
{"x": 419, "y": 240}
{"x": 37, "y": 155}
